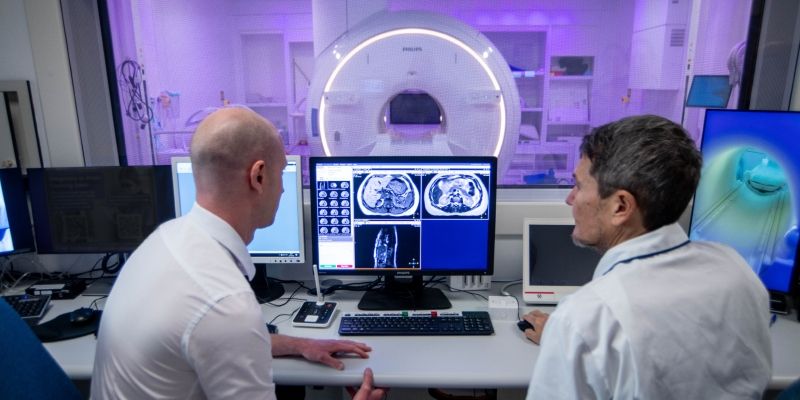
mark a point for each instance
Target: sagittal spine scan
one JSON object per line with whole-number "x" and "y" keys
{"x": 456, "y": 195}
{"x": 392, "y": 195}
{"x": 386, "y": 248}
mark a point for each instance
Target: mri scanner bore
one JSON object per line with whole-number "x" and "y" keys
{"x": 413, "y": 83}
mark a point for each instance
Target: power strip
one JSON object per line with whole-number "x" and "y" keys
{"x": 471, "y": 282}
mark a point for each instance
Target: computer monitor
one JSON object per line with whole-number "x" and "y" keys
{"x": 709, "y": 91}
{"x": 403, "y": 217}
{"x": 16, "y": 235}
{"x": 280, "y": 243}
{"x": 553, "y": 267}
{"x": 748, "y": 193}
{"x": 97, "y": 209}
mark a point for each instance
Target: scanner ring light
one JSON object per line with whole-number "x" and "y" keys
{"x": 411, "y": 31}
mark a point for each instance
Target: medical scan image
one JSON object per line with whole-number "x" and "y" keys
{"x": 456, "y": 194}
{"x": 388, "y": 195}
{"x": 387, "y": 246}
{"x": 744, "y": 200}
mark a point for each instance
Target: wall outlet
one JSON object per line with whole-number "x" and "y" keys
{"x": 471, "y": 282}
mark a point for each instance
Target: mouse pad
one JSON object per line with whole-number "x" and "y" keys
{"x": 59, "y": 328}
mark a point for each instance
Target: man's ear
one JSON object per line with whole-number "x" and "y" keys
{"x": 258, "y": 176}
{"x": 624, "y": 207}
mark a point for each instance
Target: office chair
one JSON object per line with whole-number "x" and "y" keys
{"x": 27, "y": 371}
{"x": 790, "y": 393}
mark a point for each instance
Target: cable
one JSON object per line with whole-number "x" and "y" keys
{"x": 131, "y": 82}
{"x": 353, "y": 287}
{"x": 472, "y": 292}
{"x": 94, "y": 302}
{"x": 291, "y": 296}
{"x": 504, "y": 289}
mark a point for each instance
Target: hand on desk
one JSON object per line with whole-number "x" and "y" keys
{"x": 367, "y": 391}
{"x": 537, "y": 319}
{"x": 318, "y": 350}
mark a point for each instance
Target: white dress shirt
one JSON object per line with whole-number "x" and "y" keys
{"x": 663, "y": 318}
{"x": 182, "y": 322}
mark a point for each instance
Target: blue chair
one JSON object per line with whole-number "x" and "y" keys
{"x": 790, "y": 393}
{"x": 27, "y": 369}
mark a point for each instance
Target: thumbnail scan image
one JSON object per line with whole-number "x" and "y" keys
{"x": 388, "y": 195}
{"x": 744, "y": 200}
{"x": 453, "y": 194}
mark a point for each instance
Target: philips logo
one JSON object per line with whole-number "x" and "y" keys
{"x": 412, "y": 49}
{"x": 403, "y": 273}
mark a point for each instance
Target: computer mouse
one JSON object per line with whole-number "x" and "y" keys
{"x": 81, "y": 316}
{"x": 522, "y": 325}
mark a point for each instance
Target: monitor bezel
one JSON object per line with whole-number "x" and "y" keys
{"x": 15, "y": 198}
{"x": 259, "y": 258}
{"x": 794, "y": 276}
{"x": 492, "y": 161}
{"x": 693, "y": 87}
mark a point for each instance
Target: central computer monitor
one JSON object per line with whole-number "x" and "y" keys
{"x": 403, "y": 217}
{"x": 280, "y": 243}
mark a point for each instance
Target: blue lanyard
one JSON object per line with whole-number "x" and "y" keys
{"x": 643, "y": 256}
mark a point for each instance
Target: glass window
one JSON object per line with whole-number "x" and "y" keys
{"x": 539, "y": 78}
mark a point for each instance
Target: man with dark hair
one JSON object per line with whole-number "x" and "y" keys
{"x": 663, "y": 317}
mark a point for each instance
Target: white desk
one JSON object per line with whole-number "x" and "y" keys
{"x": 503, "y": 360}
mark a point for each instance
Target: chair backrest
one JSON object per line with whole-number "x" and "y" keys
{"x": 27, "y": 371}
{"x": 790, "y": 393}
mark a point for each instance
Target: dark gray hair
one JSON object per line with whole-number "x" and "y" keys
{"x": 651, "y": 157}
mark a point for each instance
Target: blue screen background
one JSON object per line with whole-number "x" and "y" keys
{"x": 454, "y": 244}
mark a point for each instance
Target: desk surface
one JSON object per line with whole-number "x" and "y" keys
{"x": 503, "y": 360}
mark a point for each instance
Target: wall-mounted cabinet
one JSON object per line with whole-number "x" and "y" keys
{"x": 275, "y": 78}
{"x": 569, "y": 97}
{"x": 555, "y": 105}
{"x": 525, "y": 53}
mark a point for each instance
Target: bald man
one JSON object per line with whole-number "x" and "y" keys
{"x": 182, "y": 320}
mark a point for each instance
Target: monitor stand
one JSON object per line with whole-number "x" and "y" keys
{"x": 265, "y": 289}
{"x": 404, "y": 295}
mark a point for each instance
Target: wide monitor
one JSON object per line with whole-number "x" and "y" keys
{"x": 403, "y": 217}
{"x": 97, "y": 209}
{"x": 553, "y": 267}
{"x": 16, "y": 235}
{"x": 709, "y": 91}
{"x": 280, "y": 243}
{"x": 748, "y": 193}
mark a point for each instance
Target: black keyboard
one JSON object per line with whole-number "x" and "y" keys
{"x": 31, "y": 307}
{"x": 416, "y": 324}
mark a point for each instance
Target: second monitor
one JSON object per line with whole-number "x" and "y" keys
{"x": 406, "y": 217}
{"x": 279, "y": 243}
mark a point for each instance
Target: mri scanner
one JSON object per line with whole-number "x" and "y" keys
{"x": 403, "y": 56}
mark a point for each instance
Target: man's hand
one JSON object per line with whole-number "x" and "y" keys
{"x": 367, "y": 391}
{"x": 322, "y": 351}
{"x": 537, "y": 319}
